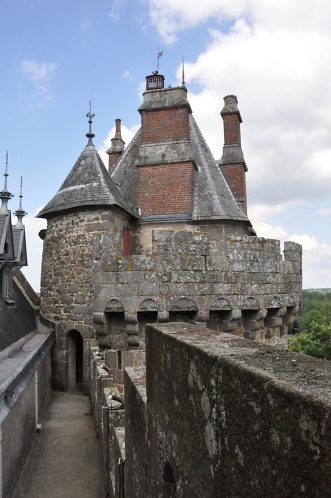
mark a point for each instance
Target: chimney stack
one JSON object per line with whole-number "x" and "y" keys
{"x": 232, "y": 163}
{"x": 117, "y": 146}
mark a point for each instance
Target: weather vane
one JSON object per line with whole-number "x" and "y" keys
{"x": 159, "y": 55}
{"x": 90, "y": 117}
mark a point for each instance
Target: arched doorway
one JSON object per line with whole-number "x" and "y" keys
{"x": 75, "y": 361}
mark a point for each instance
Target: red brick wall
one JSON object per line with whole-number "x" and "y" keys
{"x": 166, "y": 188}
{"x": 113, "y": 158}
{"x": 164, "y": 125}
{"x": 231, "y": 129}
{"x": 235, "y": 177}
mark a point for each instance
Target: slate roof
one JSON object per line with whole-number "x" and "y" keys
{"x": 213, "y": 198}
{"x": 125, "y": 172}
{"x": 19, "y": 246}
{"x": 87, "y": 184}
{"x": 6, "y": 236}
{"x": 17, "y": 321}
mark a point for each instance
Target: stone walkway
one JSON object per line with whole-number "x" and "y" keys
{"x": 63, "y": 461}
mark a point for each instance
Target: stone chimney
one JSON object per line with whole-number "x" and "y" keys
{"x": 165, "y": 162}
{"x": 117, "y": 146}
{"x": 232, "y": 163}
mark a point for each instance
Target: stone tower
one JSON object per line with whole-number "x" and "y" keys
{"x": 87, "y": 208}
{"x": 164, "y": 236}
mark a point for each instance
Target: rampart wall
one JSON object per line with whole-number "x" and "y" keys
{"x": 239, "y": 284}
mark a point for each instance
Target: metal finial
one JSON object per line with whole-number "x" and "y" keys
{"x": 90, "y": 117}
{"x": 21, "y": 195}
{"x": 6, "y": 173}
{"x": 4, "y": 194}
{"x": 183, "y": 72}
{"x": 20, "y": 213}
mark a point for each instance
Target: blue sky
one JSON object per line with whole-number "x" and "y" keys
{"x": 56, "y": 55}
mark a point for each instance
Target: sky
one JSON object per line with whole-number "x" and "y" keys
{"x": 274, "y": 55}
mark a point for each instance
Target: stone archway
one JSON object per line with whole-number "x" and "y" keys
{"x": 75, "y": 360}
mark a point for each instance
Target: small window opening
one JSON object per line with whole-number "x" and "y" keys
{"x": 168, "y": 477}
{"x": 119, "y": 359}
{"x": 126, "y": 242}
{"x": 181, "y": 316}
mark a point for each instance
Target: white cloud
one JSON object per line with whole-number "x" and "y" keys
{"x": 39, "y": 73}
{"x": 316, "y": 255}
{"x": 171, "y": 16}
{"x": 127, "y": 75}
{"x": 324, "y": 212}
{"x": 116, "y": 8}
{"x": 35, "y": 246}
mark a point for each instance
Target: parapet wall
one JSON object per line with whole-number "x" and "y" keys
{"x": 25, "y": 386}
{"x": 218, "y": 416}
{"x": 241, "y": 285}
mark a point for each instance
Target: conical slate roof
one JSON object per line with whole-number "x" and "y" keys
{"x": 212, "y": 198}
{"x": 87, "y": 184}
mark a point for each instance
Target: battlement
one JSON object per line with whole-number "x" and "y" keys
{"x": 241, "y": 284}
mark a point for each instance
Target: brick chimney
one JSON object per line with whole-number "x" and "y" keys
{"x": 117, "y": 146}
{"x": 165, "y": 161}
{"x": 232, "y": 163}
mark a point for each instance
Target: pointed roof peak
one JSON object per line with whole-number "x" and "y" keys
{"x": 20, "y": 213}
{"x": 4, "y": 194}
{"x": 90, "y": 135}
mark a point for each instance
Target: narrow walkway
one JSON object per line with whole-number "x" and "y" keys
{"x": 63, "y": 461}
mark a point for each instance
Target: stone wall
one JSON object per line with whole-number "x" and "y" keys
{"x": 25, "y": 386}
{"x": 218, "y": 416}
{"x": 239, "y": 284}
{"x": 72, "y": 241}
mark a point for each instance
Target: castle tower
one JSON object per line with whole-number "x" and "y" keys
{"x": 233, "y": 164}
{"x": 88, "y": 207}
{"x": 168, "y": 171}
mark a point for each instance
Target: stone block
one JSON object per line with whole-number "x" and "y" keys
{"x": 149, "y": 289}
{"x": 192, "y": 263}
{"x": 110, "y": 358}
{"x": 203, "y": 288}
{"x": 126, "y": 277}
{"x": 142, "y": 263}
{"x": 163, "y": 316}
{"x": 161, "y": 275}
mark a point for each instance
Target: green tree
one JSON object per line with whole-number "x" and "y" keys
{"x": 316, "y": 342}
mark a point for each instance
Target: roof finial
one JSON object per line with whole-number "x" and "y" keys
{"x": 4, "y": 194}
{"x": 90, "y": 117}
{"x": 183, "y": 72}
{"x": 20, "y": 213}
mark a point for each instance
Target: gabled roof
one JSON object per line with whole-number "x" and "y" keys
{"x": 87, "y": 184}
{"x": 20, "y": 246}
{"x": 212, "y": 198}
{"x": 6, "y": 238}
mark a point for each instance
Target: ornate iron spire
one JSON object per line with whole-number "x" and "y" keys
{"x": 4, "y": 194}
{"x": 183, "y": 72}
{"x": 20, "y": 213}
{"x": 90, "y": 117}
